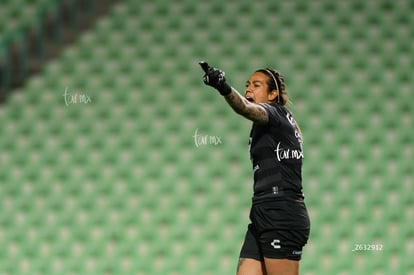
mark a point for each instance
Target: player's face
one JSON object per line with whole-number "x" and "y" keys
{"x": 257, "y": 89}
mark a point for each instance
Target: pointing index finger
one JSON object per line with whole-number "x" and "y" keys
{"x": 204, "y": 65}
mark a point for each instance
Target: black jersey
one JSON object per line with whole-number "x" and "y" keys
{"x": 276, "y": 154}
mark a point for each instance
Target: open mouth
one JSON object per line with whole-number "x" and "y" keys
{"x": 250, "y": 99}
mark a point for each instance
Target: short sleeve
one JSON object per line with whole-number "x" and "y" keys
{"x": 272, "y": 112}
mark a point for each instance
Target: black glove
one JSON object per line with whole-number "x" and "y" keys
{"x": 215, "y": 78}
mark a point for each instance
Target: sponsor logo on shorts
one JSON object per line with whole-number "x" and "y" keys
{"x": 297, "y": 252}
{"x": 276, "y": 244}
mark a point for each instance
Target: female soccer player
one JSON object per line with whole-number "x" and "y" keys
{"x": 280, "y": 223}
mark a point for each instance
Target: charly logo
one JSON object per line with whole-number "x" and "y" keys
{"x": 76, "y": 97}
{"x": 201, "y": 140}
{"x": 276, "y": 244}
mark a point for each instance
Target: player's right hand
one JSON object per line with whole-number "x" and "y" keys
{"x": 215, "y": 78}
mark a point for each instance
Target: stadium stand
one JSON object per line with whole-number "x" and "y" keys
{"x": 116, "y": 159}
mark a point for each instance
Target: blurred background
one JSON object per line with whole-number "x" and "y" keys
{"x": 116, "y": 159}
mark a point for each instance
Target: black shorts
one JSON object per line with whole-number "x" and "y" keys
{"x": 278, "y": 230}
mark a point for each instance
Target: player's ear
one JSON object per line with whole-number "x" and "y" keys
{"x": 271, "y": 97}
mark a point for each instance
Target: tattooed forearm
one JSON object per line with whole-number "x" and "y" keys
{"x": 237, "y": 102}
{"x": 242, "y": 106}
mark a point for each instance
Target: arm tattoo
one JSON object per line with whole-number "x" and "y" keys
{"x": 242, "y": 106}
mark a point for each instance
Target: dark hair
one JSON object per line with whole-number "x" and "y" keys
{"x": 276, "y": 82}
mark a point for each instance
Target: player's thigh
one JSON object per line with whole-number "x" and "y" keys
{"x": 281, "y": 266}
{"x": 248, "y": 266}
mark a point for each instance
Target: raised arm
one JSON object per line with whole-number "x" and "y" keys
{"x": 215, "y": 78}
{"x": 243, "y": 107}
